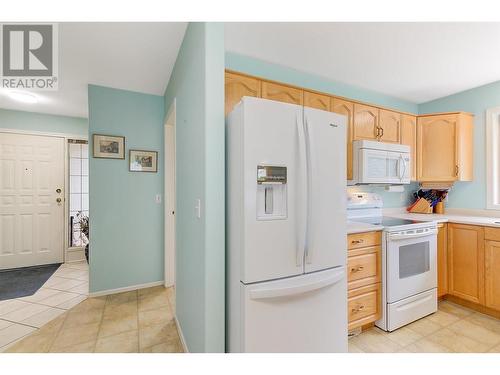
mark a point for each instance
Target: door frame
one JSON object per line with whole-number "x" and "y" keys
{"x": 170, "y": 199}
{"x": 66, "y": 172}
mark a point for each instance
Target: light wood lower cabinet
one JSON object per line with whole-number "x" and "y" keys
{"x": 363, "y": 278}
{"x": 466, "y": 262}
{"x": 492, "y": 274}
{"x": 442, "y": 259}
{"x": 364, "y": 305}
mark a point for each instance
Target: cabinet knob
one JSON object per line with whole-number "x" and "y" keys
{"x": 357, "y": 309}
{"x": 357, "y": 269}
{"x": 355, "y": 242}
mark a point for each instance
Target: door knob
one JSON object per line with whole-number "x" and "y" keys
{"x": 58, "y": 200}
{"x": 58, "y": 191}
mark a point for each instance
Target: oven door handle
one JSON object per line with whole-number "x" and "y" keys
{"x": 396, "y": 237}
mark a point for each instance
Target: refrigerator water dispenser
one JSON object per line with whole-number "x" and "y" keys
{"x": 271, "y": 192}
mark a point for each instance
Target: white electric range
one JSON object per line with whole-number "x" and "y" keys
{"x": 409, "y": 261}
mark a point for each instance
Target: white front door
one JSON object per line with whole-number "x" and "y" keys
{"x": 31, "y": 182}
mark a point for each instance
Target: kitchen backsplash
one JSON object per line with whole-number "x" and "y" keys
{"x": 391, "y": 200}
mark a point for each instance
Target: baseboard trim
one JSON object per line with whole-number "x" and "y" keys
{"x": 181, "y": 335}
{"x": 125, "y": 289}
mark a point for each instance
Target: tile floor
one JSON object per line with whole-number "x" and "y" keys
{"x": 66, "y": 288}
{"x": 452, "y": 329}
{"x": 137, "y": 321}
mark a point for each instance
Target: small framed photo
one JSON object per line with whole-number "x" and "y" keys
{"x": 143, "y": 161}
{"x": 109, "y": 146}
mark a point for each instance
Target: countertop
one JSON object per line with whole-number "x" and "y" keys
{"x": 357, "y": 227}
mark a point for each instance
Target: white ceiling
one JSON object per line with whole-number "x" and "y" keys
{"x": 130, "y": 56}
{"x": 417, "y": 62}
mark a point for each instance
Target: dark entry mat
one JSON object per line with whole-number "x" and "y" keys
{"x": 22, "y": 282}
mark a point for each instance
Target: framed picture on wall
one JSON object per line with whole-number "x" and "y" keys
{"x": 109, "y": 146}
{"x": 143, "y": 161}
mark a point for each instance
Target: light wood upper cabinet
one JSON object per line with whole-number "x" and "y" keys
{"x": 238, "y": 86}
{"x": 318, "y": 101}
{"x": 409, "y": 137}
{"x": 466, "y": 262}
{"x": 346, "y": 108}
{"x": 444, "y": 147}
{"x": 442, "y": 259}
{"x": 366, "y": 122}
{"x": 282, "y": 93}
{"x": 389, "y": 124}
{"x": 492, "y": 274}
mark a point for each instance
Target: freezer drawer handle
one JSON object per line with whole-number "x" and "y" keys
{"x": 299, "y": 289}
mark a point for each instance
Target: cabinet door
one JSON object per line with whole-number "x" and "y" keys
{"x": 318, "y": 101}
{"x": 364, "y": 305}
{"x": 492, "y": 274}
{"x": 436, "y": 148}
{"x": 346, "y": 108}
{"x": 465, "y": 147}
{"x": 442, "y": 259}
{"x": 466, "y": 262}
{"x": 281, "y": 93}
{"x": 365, "y": 122}
{"x": 409, "y": 138}
{"x": 237, "y": 86}
{"x": 389, "y": 124}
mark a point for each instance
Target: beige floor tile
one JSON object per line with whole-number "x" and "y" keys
{"x": 155, "y": 289}
{"x": 353, "y": 348}
{"x": 403, "y": 336}
{"x": 157, "y": 334}
{"x": 171, "y": 346}
{"x": 11, "y": 305}
{"x": 36, "y": 342}
{"x": 452, "y": 308}
{"x": 72, "y": 302}
{"x": 81, "y": 289}
{"x": 125, "y": 309}
{"x": 13, "y": 333}
{"x": 54, "y": 279}
{"x": 485, "y": 321}
{"x": 424, "y": 327}
{"x": 25, "y": 312}
{"x": 475, "y": 332}
{"x": 54, "y": 326}
{"x": 116, "y": 325}
{"x": 495, "y": 349}
{"x": 456, "y": 342}
{"x": 372, "y": 341}
{"x": 42, "y": 318}
{"x": 120, "y": 298}
{"x": 40, "y": 294}
{"x": 77, "y": 318}
{"x": 4, "y": 324}
{"x": 58, "y": 299}
{"x": 75, "y": 335}
{"x": 153, "y": 300}
{"x": 85, "y": 347}
{"x": 425, "y": 346}
{"x": 68, "y": 284}
{"x": 90, "y": 304}
{"x": 156, "y": 316}
{"x": 70, "y": 273}
{"x": 443, "y": 318}
{"x": 125, "y": 342}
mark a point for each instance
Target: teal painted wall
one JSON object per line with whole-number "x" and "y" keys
{"x": 284, "y": 74}
{"x": 197, "y": 85}
{"x": 470, "y": 194}
{"x": 291, "y": 76}
{"x": 31, "y": 121}
{"x": 126, "y": 224}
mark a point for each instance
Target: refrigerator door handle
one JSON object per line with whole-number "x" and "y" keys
{"x": 309, "y": 164}
{"x": 266, "y": 293}
{"x": 301, "y": 202}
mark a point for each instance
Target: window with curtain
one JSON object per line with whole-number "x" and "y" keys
{"x": 78, "y": 190}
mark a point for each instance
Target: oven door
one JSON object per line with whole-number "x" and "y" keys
{"x": 411, "y": 263}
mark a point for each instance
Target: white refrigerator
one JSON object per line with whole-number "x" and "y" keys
{"x": 286, "y": 220}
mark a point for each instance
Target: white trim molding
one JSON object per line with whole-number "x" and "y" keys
{"x": 493, "y": 158}
{"x": 125, "y": 289}
{"x": 181, "y": 335}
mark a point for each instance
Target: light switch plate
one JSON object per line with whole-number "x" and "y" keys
{"x": 158, "y": 198}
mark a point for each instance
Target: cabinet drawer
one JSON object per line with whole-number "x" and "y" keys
{"x": 363, "y": 267}
{"x": 363, "y": 305}
{"x": 365, "y": 239}
{"x": 492, "y": 234}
